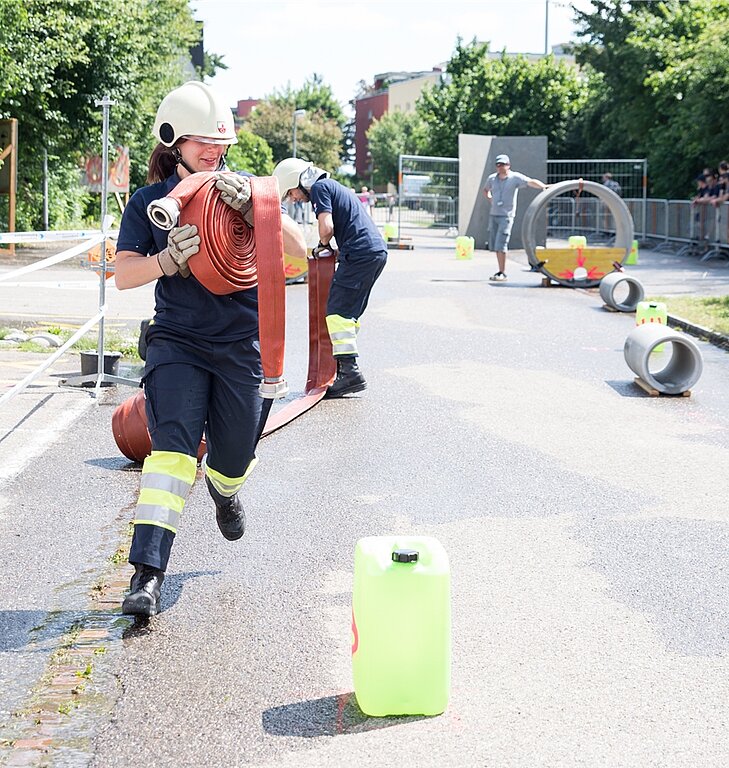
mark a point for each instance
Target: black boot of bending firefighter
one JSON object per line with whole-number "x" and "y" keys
{"x": 349, "y": 378}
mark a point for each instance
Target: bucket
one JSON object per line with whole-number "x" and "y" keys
{"x": 464, "y": 247}
{"x": 401, "y": 626}
{"x": 89, "y": 362}
{"x": 652, "y": 312}
{"x": 391, "y": 231}
{"x": 633, "y": 255}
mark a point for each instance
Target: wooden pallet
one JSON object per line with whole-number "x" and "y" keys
{"x": 645, "y": 386}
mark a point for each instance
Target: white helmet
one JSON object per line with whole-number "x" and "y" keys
{"x": 194, "y": 110}
{"x": 294, "y": 173}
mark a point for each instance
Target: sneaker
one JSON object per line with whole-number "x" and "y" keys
{"x": 499, "y": 277}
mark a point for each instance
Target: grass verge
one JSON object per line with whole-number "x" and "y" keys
{"x": 710, "y": 312}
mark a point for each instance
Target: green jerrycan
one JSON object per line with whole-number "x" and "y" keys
{"x": 401, "y": 626}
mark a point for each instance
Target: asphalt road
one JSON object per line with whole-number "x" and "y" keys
{"x": 585, "y": 522}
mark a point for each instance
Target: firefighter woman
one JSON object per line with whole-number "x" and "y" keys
{"x": 203, "y": 364}
{"x": 362, "y": 257}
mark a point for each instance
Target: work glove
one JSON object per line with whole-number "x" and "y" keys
{"x": 235, "y": 190}
{"x": 321, "y": 251}
{"x": 182, "y": 243}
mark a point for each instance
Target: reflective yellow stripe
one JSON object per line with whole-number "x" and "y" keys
{"x": 171, "y": 463}
{"x": 167, "y": 477}
{"x": 343, "y": 333}
{"x": 228, "y": 486}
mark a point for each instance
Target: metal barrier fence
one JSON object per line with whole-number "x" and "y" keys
{"x": 674, "y": 226}
{"x": 90, "y": 239}
{"x": 631, "y": 174}
{"x": 427, "y": 191}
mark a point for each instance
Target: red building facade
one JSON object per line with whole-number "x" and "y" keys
{"x": 366, "y": 110}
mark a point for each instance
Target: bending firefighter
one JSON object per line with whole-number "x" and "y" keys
{"x": 362, "y": 257}
{"x": 203, "y": 363}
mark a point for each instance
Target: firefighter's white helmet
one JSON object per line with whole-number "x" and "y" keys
{"x": 194, "y": 109}
{"x": 293, "y": 172}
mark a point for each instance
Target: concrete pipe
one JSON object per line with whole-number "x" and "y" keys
{"x": 679, "y": 374}
{"x": 583, "y": 268}
{"x": 619, "y": 280}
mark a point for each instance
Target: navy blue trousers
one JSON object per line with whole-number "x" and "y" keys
{"x": 194, "y": 387}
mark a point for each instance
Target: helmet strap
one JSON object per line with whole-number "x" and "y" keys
{"x": 178, "y": 159}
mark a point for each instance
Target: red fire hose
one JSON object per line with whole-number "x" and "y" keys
{"x": 230, "y": 259}
{"x": 233, "y": 257}
{"x": 322, "y": 367}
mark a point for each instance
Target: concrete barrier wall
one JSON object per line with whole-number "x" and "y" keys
{"x": 477, "y": 156}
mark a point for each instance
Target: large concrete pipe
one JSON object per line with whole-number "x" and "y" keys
{"x": 616, "y": 281}
{"x": 679, "y": 374}
{"x": 578, "y": 267}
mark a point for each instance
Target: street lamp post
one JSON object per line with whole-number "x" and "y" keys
{"x": 297, "y": 114}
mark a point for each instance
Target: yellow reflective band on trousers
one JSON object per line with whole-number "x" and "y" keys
{"x": 228, "y": 486}
{"x": 343, "y": 333}
{"x": 166, "y": 481}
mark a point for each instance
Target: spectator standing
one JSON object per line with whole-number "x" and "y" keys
{"x": 501, "y": 190}
{"x": 611, "y": 184}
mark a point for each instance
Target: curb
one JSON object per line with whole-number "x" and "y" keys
{"x": 717, "y": 339}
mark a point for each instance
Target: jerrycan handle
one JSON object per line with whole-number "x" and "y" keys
{"x": 405, "y": 556}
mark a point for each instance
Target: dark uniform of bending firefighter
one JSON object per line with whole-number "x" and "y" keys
{"x": 203, "y": 364}
{"x": 362, "y": 257}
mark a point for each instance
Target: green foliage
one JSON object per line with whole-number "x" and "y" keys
{"x": 659, "y": 84}
{"x": 393, "y": 135}
{"x": 508, "y": 96}
{"x": 57, "y": 57}
{"x": 319, "y": 133}
{"x": 251, "y": 154}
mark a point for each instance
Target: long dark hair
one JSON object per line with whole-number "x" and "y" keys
{"x": 162, "y": 163}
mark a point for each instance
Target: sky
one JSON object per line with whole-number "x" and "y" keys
{"x": 268, "y": 45}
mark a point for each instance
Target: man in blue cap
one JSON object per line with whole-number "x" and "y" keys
{"x": 501, "y": 188}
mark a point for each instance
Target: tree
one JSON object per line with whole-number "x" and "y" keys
{"x": 57, "y": 58}
{"x": 508, "y": 96}
{"x": 319, "y": 135}
{"x": 251, "y": 154}
{"x": 661, "y": 77}
{"x": 395, "y": 134}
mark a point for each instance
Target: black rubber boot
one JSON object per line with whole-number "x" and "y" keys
{"x": 229, "y": 513}
{"x": 144, "y": 591}
{"x": 349, "y": 378}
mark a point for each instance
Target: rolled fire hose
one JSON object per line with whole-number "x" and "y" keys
{"x": 322, "y": 367}
{"x": 232, "y": 257}
{"x": 682, "y": 370}
{"x": 615, "y": 280}
{"x": 131, "y": 434}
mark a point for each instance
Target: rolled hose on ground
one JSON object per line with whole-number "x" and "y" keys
{"x": 233, "y": 257}
{"x": 131, "y": 434}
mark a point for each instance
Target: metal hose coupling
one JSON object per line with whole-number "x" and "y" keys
{"x": 273, "y": 389}
{"x": 164, "y": 212}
